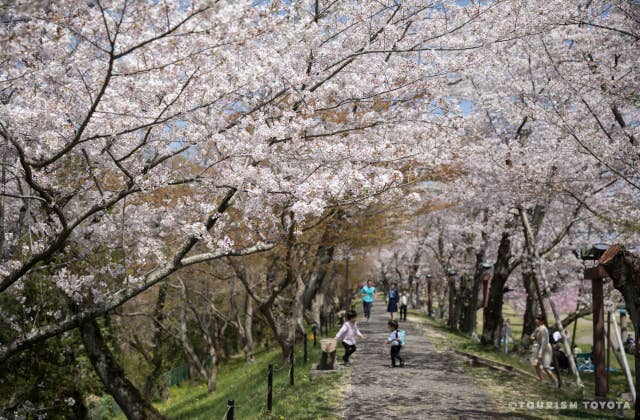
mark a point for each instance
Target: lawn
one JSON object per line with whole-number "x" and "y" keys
{"x": 246, "y": 384}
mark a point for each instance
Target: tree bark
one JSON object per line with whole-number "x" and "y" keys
{"x": 323, "y": 257}
{"x": 471, "y": 304}
{"x": 154, "y": 385}
{"x": 245, "y": 331}
{"x": 462, "y": 300}
{"x": 452, "y": 320}
{"x": 493, "y": 311}
{"x": 113, "y": 377}
{"x": 532, "y": 308}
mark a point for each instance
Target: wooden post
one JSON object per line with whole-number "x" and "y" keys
{"x": 270, "y": 388}
{"x": 314, "y": 328}
{"x": 347, "y": 286}
{"x": 429, "y": 304}
{"x": 304, "y": 348}
{"x": 623, "y": 324}
{"x": 291, "y": 360}
{"x": 597, "y": 293}
{"x": 608, "y": 368}
{"x": 230, "y": 408}
{"x": 575, "y": 323}
{"x": 627, "y": 371}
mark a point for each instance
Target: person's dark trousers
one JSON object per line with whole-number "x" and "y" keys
{"x": 403, "y": 312}
{"x": 395, "y": 354}
{"x": 366, "y": 307}
{"x": 349, "y": 349}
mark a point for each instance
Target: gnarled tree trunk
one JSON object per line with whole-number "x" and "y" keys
{"x": 112, "y": 376}
{"x": 493, "y": 311}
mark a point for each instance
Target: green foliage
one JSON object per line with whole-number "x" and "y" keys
{"x": 49, "y": 378}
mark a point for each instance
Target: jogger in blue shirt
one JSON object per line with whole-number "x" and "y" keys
{"x": 367, "y": 298}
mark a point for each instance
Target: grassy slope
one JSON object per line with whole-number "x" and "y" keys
{"x": 246, "y": 384}
{"x": 509, "y": 389}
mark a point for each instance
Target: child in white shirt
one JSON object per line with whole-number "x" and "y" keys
{"x": 348, "y": 335}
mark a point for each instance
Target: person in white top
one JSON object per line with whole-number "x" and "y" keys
{"x": 403, "y": 306}
{"x": 544, "y": 351}
{"x": 348, "y": 334}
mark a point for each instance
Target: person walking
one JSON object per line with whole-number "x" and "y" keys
{"x": 368, "y": 291}
{"x": 403, "y": 306}
{"x": 544, "y": 352}
{"x": 392, "y": 301}
{"x": 506, "y": 336}
{"x": 348, "y": 335}
{"x": 396, "y": 344}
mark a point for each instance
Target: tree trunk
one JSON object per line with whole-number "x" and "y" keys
{"x": 246, "y": 341}
{"x": 196, "y": 363}
{"x": 154, "y": 385}
{"x": 324, "y": 256}
{"x": 453, "y": 319}
{"x": 281, "y": 337}
{"x": 462, "y": 300}
{"x": 112, "y": 376}
{"x": 469, "y": 316}
{"x": 213, "y": 371}
{"x": 493, "y": 311}
{"x": 442, "y": 304}
{"x": 624, "y": 269}
{"x": 316, "y": 309}
{"x": 248, "y": 329}
{"x": 532, "y": 308}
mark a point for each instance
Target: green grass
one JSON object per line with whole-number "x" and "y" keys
{"x": 510, "y": 388}
{"x": 246, "y": 384}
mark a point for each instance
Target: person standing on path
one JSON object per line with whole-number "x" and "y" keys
{"x": 348, "y": 335}
{"x": 506, "y": 336}
{"x": 392, "y": 299}
{"x": 403, "y": 306}
{"x": 396, "y": 344}
{"x": 544, "y": 351}
{"x": 367, "y": 298}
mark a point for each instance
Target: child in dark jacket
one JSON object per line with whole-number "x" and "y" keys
{"x": 396, "y": 344}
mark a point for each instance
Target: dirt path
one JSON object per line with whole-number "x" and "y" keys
{"x": 432, "y": 385}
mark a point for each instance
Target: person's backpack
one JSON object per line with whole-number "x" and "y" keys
{"x": 402, "y": 336}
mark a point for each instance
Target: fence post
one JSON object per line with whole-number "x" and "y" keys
{"x": 270, "y": 388}
{"x": 304, "y": 348}
{"x": 291, "y": 360}
{"x": 230, "y": 407}
{"x": 314, "y": 328}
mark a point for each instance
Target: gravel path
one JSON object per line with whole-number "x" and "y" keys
{"x": 432, "y": 385}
